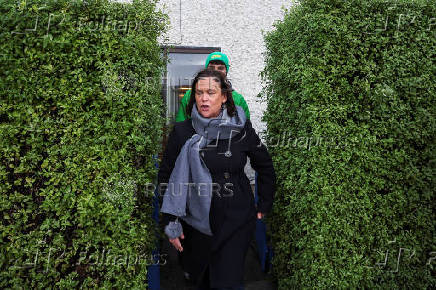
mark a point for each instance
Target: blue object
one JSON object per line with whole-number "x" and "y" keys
{"x": 153, "y": 271}
{"x": 264, "y": 251}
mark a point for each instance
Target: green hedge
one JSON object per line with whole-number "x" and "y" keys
{"x": 81, "y": 117}
{"x": 351, "y": 125}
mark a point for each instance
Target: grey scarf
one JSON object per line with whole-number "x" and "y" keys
{"x": 190, "y": 184}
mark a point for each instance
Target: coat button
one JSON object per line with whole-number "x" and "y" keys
{"x": 226, "y": 175}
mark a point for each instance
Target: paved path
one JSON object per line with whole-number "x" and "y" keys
{"x": 171, "y": 275}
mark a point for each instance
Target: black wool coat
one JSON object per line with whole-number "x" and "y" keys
{"x": 232, "y": 213}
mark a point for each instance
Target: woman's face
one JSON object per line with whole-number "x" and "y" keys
{"x": 209, "y": 97}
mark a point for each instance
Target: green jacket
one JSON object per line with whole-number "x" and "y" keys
{"x": 237, "y": 98}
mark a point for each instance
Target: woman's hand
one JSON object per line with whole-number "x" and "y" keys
{"x": 176, "y": 243}
{"x": 260, "y": 215}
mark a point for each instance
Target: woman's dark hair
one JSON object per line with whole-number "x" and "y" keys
{"x": 225, "y": 88}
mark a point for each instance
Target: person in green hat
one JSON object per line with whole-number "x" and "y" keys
{"x": 220, "y": 62}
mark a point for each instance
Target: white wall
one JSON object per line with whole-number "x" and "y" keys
{"x": 236, "y": 27}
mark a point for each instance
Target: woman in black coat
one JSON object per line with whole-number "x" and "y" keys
{"x": 211, "y": 223}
